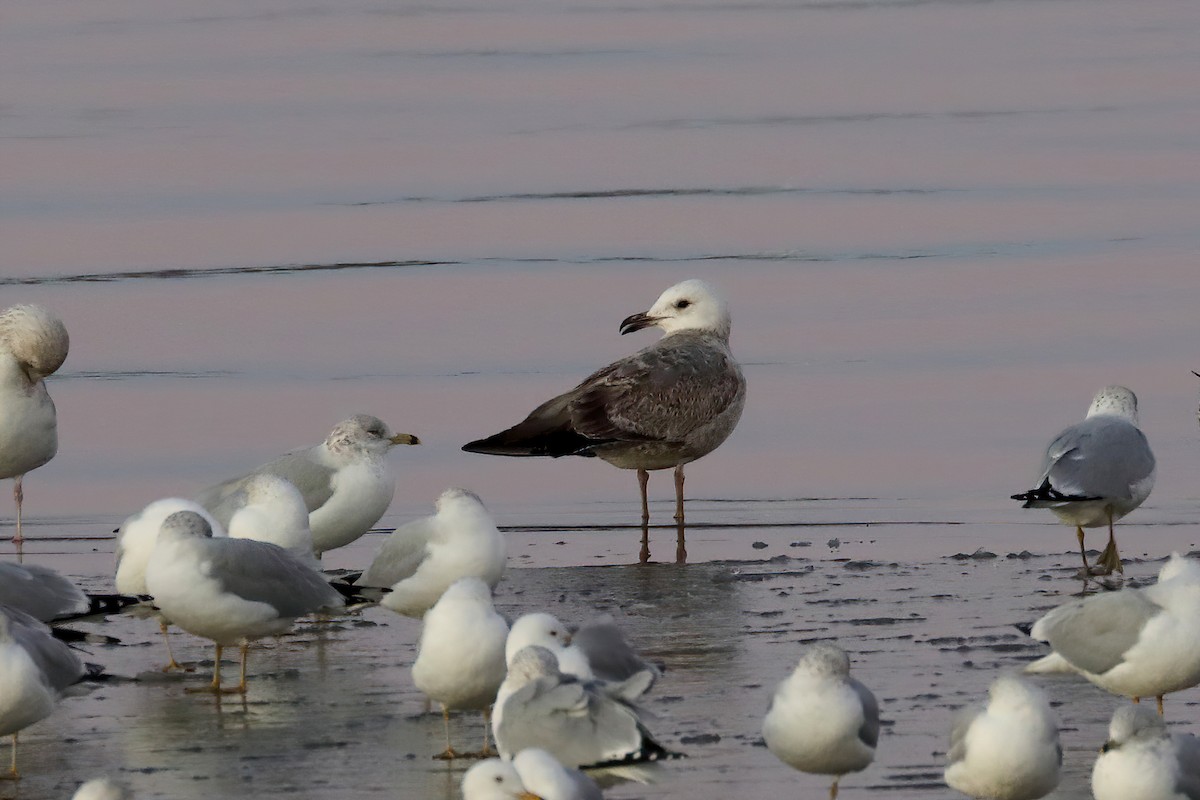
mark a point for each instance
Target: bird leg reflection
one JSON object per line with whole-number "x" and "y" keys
{"x": 643, "y": 480}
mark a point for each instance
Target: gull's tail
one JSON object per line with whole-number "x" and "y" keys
{"x": 1046, "y": 496}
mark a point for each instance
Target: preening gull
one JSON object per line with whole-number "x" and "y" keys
{"x": 102, "y": 789}
{"x": 597, "y": 651}
{"x": 35, "y": 669}
{"x": 1142, "y": 760}
{"x": 494, "y": 779}
{"x": 1007, "y": 750}
{"x": 346, "y": 481}
{"x": 33, "y": 344}
{"x": 546, "y": 778}
{"x": 1097, "y": 471}
{"x": 821, "y": 720}
{"x": 460, "y": 658}
{"x": 420, "y": 559}
{"x": 662, "y": 407}
{"x": 230, "y": 590}
{"x": 1133, "y": 642}
{"x": 575, "y": 721}
{"x": 135, "y": 542}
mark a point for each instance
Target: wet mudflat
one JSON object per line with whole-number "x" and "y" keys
{"x": 332, "y": 711}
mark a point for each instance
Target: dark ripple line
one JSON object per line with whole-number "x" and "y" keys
{"x": 205, "y": 272}
{"x": 613, "y": 194}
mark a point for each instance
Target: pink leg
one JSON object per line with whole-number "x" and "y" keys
{"x": 643, "y": 480}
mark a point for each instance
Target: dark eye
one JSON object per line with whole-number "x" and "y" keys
{"x": 682, "y": 303}
{"x": 499, "y": 779}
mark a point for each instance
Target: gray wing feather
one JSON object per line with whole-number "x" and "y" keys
{"x": 401, "y": 554}
{"x": 266, "y": 573}
{"x": 869, "y": 732}
{"x": 661, "y": 393}
{"x": 579, "y": 725}
{"x": 586, "y": 788}
{"x": 58, "y": 663}
{"x": 1099, "y": 457}
{"x": 40, "y": 591}
{"x": 1187, "y": 751}
{"x": 609, "y": 654}
{"x": 1094, "y": 633}
{"x": 313, "y": 479}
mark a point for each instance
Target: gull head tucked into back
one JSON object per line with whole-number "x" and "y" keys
{"x": 1142, "y": 760}
{"x": 494, "y": 779}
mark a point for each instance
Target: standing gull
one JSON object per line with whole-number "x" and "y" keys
{"x": 230, "y": 590}
{"x": 35, "y": 669}
{"x": 1134, "y": 642}
{"x": 346, "y": 482}
{"x": 821, "y": 720}
{"x": 33, "y": 344}
{"x": 575, "y": 721}
{"x": 460, "y": 659}
{"x": 1097, "y": 471}
{"x": 420, "y": 559}
{"x": 1007, "y": 750}
{"x": 662, "y": 407}
{"x": 1142, "y": 760}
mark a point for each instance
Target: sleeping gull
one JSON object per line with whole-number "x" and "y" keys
{"x": 33, "y": 344}
{"x": 1142, "y": 760}
{"x": 545, "y": 777}
{"x": 230, "y": 590}
{"x": 597, "y": 651}
{"x": 1007, "y": 750}
{"x": 1133, "y": 642}
{"x": 1097, "y": 471}
{"x": 420, "y": 559}
{"x": 346, "y": 482}
{"x": 494, "y": 779}
{"x": 135, "y": 542}
{"x": 35, "y": 669}
{"x": 662, "y": 407}
{"x": 821, "y": 720}
{"x": 269, "y": 508}
{"x": 460, "y": 658}
{"x": 575, "y": 721}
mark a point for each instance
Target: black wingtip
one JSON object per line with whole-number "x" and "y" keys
{"x": 1025, "y": 628}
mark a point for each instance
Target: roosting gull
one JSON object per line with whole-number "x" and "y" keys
{"x": 40, "y": 592}
{"x": 597, "y": 651}
{"x": 821, "y": 720}
{"x": 1133, "y": 642}
{"x": 420, "y": 559}
{"x": 575, "y": 721}
{"x": 346, "y": 482}
{"x": 1007, "y": 750}
{"x": 230, "y": 590}
{"x": 1097, "y": 471}
{"x": 546, "y": 778}
{"x": 494, "y": 779}
{"x": 135, "y": 542}
{"x": 35, "y": 669}
{"x": 662, "y": 407}
{"x": 33, "y": 344}
{"x": 1142, "y": 760}
{"x": 271, "y": 509}
{"x": 460, "y": 659}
